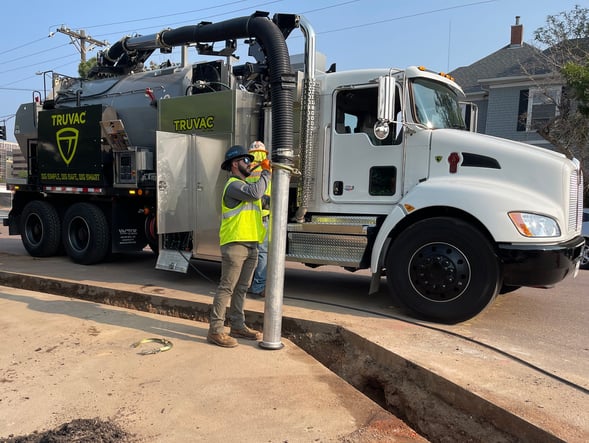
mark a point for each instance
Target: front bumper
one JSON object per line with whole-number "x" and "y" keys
{"x": 539, "y": 265}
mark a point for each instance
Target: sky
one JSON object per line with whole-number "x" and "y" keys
{"x": 353, "y": 34}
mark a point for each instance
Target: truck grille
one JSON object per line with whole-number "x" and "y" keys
{"x": 575, "y": 200}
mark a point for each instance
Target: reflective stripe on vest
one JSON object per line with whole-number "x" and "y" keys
{"x": 242, "y": 223}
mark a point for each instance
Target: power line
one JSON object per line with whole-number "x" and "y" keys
{"x": 337, "y": 5}
{"x": 163, "y": 16}
{"x": 418, "y": 14}
{"x": 80, "y": 39}
{"x": 36, "y": 63}
{"x": 121, "y": 33}
{"x": 23, "y": 45}
{"x": 14, "y": 89}
{"x": 329, "y": 7}
{"x": 249, "y": 8}
{"x": 28, "y": 56}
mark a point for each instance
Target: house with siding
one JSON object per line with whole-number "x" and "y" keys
{"x": 514, "y": 90}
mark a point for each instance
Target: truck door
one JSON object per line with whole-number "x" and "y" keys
{"x": 176, "y": 196}
{"x": 363, "y": 169}
{"x": 190, "y": 184}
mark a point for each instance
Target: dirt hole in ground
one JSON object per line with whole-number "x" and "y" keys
{"x": 407, "y": 391}
{"x": 83, "y": 430}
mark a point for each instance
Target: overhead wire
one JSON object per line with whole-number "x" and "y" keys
{"x": 28, "y": 56}
{"x": 249, "y": 8}
{"x": 162, "y": 16}
{"x": 310, "y": 11}
{"x": 403, "y": 17}
{"x": 23, "y": 45}
{"x": 120, "y": 33}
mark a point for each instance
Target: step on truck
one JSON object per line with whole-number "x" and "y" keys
{"x": 375, "y": 169}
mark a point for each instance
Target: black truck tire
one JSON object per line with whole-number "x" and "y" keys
{"x": 443, "y": 269}
{"x": 40, "y": 229}
{"x": 86, "y": 237}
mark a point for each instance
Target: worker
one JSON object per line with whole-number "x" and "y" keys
{"x": 240, "y": 234}
{"x": 258, "y": 286}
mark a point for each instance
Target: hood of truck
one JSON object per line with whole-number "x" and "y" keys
{"x": 461, "y": 153}
{"x": 490, "y": 145}
{"x": 486, "y": 176}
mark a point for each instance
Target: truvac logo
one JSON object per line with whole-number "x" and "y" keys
{"x": 67, "y": 138}
{"x": 67, "y": 143}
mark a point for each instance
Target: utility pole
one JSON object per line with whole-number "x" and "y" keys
{"x": 80, "y": 39}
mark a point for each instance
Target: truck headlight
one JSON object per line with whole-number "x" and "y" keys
{"x": 534, "y": 225}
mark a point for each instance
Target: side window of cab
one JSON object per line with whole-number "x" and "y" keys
{"x": 356, "y": 111}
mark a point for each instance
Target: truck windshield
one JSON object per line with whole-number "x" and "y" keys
{"x": 436, "y": 105}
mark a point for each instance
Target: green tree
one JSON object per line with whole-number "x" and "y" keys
{"x": 84, "y": 67}
{"x": 577, "y": 77}
{"x": 566, "y": 37}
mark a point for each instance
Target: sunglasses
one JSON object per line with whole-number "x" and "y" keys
{"x": 246, "y": 160}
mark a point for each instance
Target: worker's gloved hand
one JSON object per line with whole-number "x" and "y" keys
{"x": 266, "y": 165}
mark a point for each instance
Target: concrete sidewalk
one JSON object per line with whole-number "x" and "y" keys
{"x": 66, "y": 359}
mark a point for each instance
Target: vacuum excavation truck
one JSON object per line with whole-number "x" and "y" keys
{"x": 375, "y": 169}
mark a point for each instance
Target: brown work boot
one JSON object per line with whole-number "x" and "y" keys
{"x": 257, "y": 294}
{"x": 247, "y": 333}
{"x": 221, "y": 339}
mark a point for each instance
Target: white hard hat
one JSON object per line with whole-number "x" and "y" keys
{"x": 257, "y": 146}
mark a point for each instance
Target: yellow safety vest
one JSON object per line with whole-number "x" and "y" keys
{"x": 242, "y": 223}
{"x": 259, "y": 155}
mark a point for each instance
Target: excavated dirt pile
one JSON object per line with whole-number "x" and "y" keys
{"x": 80, "y": 430}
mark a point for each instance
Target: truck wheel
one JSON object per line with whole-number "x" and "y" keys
{"x": 40, "y": 229}
{"x": 85, "y": 234}
{"x": 443, "y": 269}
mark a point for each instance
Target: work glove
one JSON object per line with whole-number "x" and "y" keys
{"x": 266, "y": 165}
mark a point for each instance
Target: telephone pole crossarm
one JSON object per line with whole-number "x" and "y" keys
{"x": 80, "y": 39}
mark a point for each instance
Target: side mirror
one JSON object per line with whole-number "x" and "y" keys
{"x": 381, "y": 130}
{"x": 386, "y": 102}
{"x": 470, "y": 113}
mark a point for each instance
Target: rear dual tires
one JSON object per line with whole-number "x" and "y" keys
{"x": 85, "y": 234}
{"x": 443, "y": 269}
{"x": 40, "y": 229}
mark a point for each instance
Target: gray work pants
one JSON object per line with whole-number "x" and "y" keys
{"x": 238, "y": 262}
